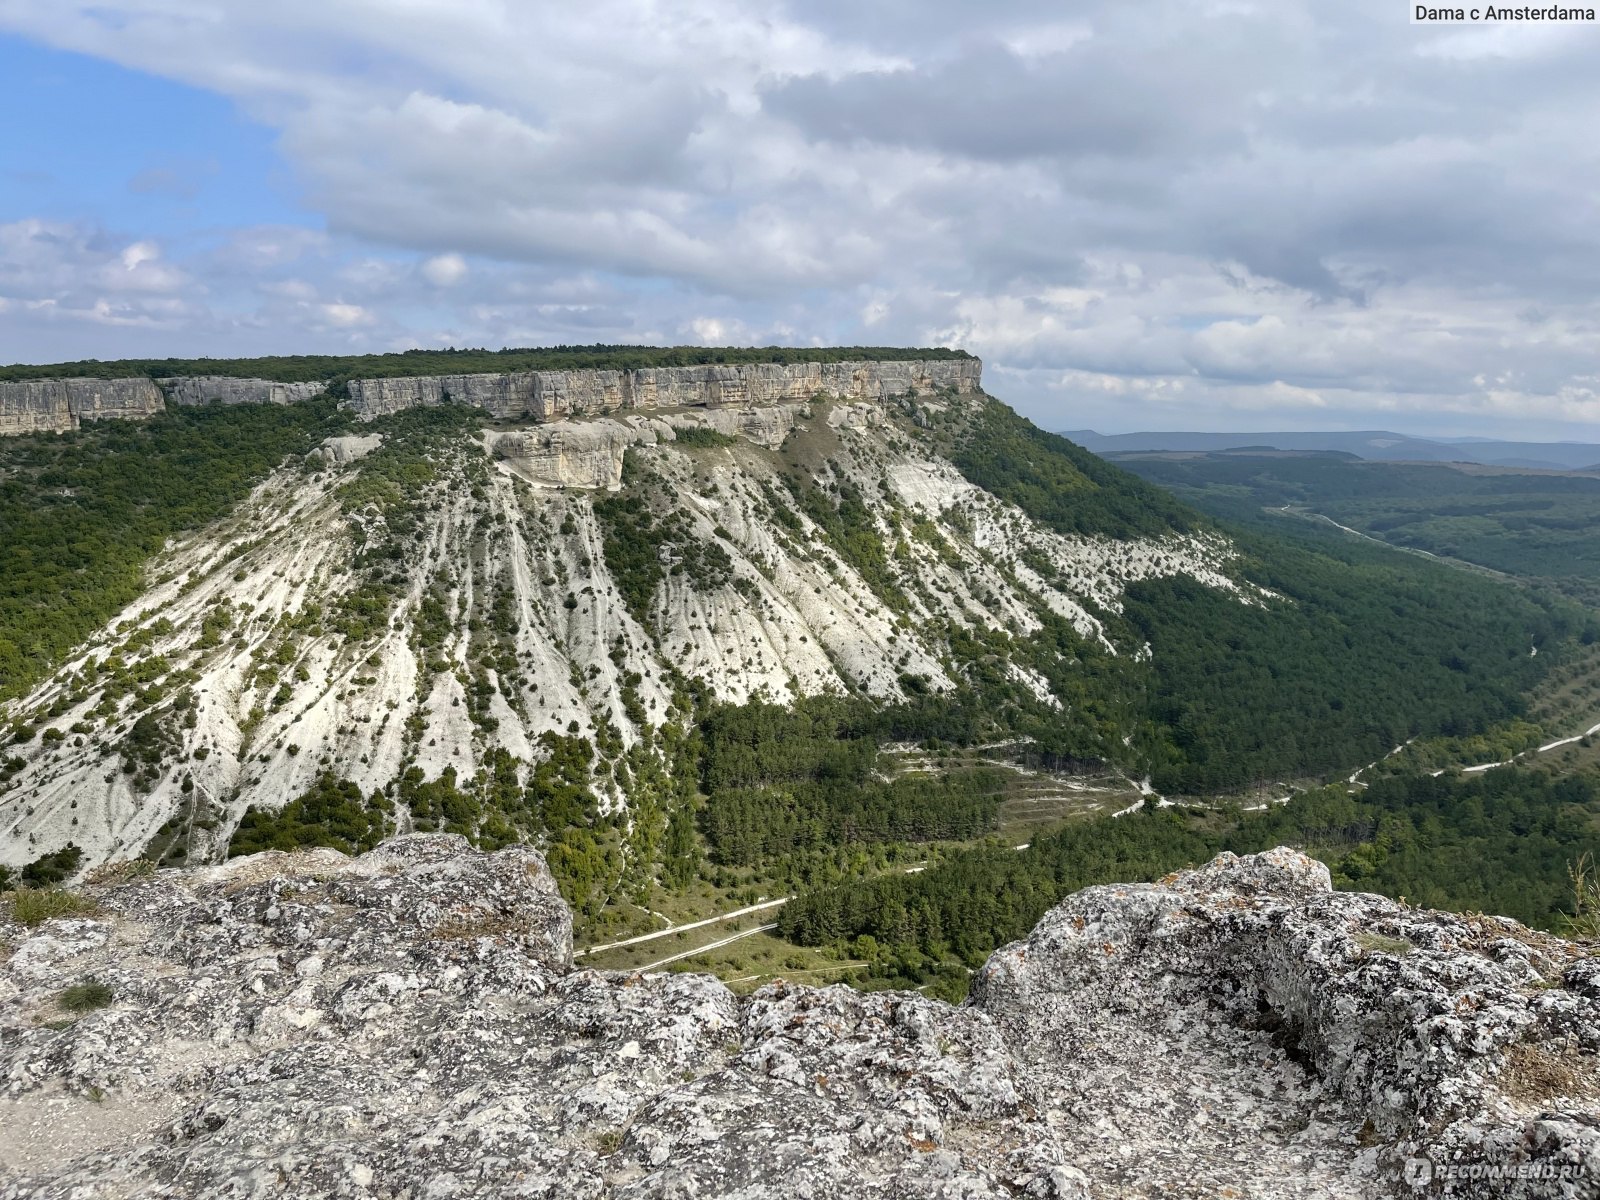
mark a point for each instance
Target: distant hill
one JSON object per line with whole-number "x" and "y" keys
{"x": 1375, "y": 445}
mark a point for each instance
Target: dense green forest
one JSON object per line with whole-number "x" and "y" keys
{"x": 1366, "y": 648}
{"x": 1356, "y": 648}
{"x": 82, "y": 514}
{"x": 332, "y": 812}
{"x": 1500, "y": 842}
{"x": 554, "y": 806}
{"x": 1059, "y": 483}
{"x": 786, "y": 781}
{"x": 310, "y": 368}
{"x": 1525, "y": 523}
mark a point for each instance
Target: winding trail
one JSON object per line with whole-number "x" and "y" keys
{"x": 672, "y": 929}
{"x": 1356, "y": 777}
{"x": 708, "y": 946}
{"x": 1506, "y": 762}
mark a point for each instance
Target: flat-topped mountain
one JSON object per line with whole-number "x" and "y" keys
{"x": 542, "y": 385}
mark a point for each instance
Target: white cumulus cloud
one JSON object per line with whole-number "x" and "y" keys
{"x": 445, "y": 270}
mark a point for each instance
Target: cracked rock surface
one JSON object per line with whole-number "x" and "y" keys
{"x": 407, "y": 1024}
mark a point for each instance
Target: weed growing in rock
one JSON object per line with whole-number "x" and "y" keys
{"x": 1585, "y": 876}
{"x": 1376, "y": 943}
{"x": 85, "y": 997}
{"x": 35, "y": 906}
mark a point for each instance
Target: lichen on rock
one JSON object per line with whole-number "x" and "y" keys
{"x": 407, "y": 1023}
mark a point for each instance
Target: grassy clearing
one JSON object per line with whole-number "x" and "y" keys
{"x": 663, "y": 907}
{"x": 1570, "y": 695}
{"x": 744, "y": 965}
{"x": 1033, "y": 801}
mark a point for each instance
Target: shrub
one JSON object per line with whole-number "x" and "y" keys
{"x": 85, "y": 997}
{"x": 52, "y": 868}
{"x": 35, "y": 906}
{"x": 700, "y": 435}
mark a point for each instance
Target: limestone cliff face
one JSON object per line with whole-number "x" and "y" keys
{"x": 589, "y": 454}
{"x": 209, "y": 389}
{"x": 545, "y": 395}
{"x": 341, "y": 451}
{"x": 586, "y": 455}
{"x": 407, "y": 1023}
{"x": 57, "y": 405}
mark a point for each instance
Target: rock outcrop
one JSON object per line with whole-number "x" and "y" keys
{"x": 407, "y": 1023}
{"x": 340, "y": 451}
{"x": 589, "y": 454}
{"x": 222, "y": 389}
{"x": 584, "y": 454}
{"x": 547, "y": 395}
{"x": 57, "y": 405}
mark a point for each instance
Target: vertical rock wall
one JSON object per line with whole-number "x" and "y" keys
{"x": 545, "y": 395}
{"x": 61, "y": 404}
{"x": 56, "y": 405}
{"x": 208, "y": 389}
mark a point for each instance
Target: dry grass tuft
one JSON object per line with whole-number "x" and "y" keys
{"x": 35, "y": 906}
{"x": 126, "y": 871}
{"x": 477, "y": 923}
{"x": 1377, "y": 943}
{"x": 1537, "y": 1073}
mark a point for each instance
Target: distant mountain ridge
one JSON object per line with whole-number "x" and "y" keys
{"x": 1376, "y": 445}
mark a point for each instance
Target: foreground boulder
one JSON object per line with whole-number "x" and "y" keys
{"x": 407, "y": 1024}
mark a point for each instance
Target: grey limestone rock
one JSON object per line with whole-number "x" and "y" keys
{"x": 589, "y": 453}
{"x": 57, "y": 405}
{"x": 407, "y": 1024}
{"x": 223, "y": 389}
{"x": 340, "y": 450}
{"x": 584, "y": 454}
{"x": 550, "y": 395}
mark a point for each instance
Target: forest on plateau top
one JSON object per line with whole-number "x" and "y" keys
{"x": 336, "y": 368}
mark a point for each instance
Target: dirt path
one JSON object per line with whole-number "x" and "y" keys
{"x": 672, "y": 929}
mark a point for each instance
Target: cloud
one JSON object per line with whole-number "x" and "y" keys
{"x": 445, "y": 270}
{"x": 1155, "y": 211}
{"x": 345, "y": 316}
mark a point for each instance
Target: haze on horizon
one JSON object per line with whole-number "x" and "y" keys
{"x": 1229, "y": 215}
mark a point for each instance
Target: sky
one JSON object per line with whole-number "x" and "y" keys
{"x": 1170, "y": 214}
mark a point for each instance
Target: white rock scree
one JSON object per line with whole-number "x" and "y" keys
{"x": 408, "y": 1024}
{"x": 279, "y": 698}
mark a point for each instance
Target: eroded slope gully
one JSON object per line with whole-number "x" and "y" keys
{"x": 239, "y": 678}
{"x": 407, "y": 1024}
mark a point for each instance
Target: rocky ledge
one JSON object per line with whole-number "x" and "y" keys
{"x": 552, "y": 395}
{"x": 408, "y": 1024}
